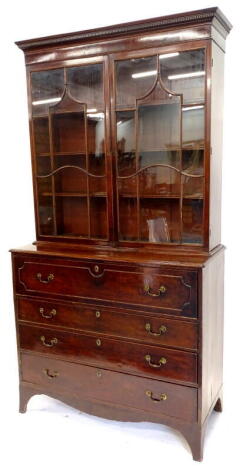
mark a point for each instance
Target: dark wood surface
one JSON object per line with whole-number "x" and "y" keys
{"x": 116, "y": 322}
{"x": 111, "y": 387}
{"x": 191, "y": 18}
{"x": 108, "y": 353}
{"x": 101, "y": 281}
{"x": 122, "y": 329}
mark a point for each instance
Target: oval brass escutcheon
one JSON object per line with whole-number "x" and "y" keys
{"x": 96, "y": 268}
{"x": 98, "y": 342}
{"x": 97, "y": 314}
{"x": 98, "y": 373}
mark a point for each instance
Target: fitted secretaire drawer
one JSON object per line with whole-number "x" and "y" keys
{"x": 104, "y": 352}
{"x": 115, "y": 322}
{"x": 171, "y": 291}
{"x": 112, "y": 387}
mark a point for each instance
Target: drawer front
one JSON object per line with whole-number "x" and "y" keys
{"x": 113, "y": 387}
{"x": 108, "y": 353}
{"x": 172, "y": 292}
{"x": 115, "y": 322}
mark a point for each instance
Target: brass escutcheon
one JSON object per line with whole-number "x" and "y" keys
{"x": 98, "y": 342}
{"x": 98, "y": 373}
{"x": 97, "y": 314}
{"x": 96, "y": 268}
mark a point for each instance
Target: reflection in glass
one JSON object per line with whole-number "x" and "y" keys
{"x": 193, "y": 126}
{"x": 159, "y": 134}
{"x": 192, "y": 221}
{"x": 47, "y": 88}
{"x": 185, "y": 73}
{"x": 96, "y": 143}
{"x": 159, "y": 220}
{"x": 130, "y": 85}
{"x": 126, "y": 152}
{"x": 85, "y": 84}
{"x": 159, "y": 181}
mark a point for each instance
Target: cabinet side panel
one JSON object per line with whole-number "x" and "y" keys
{"x": 217, "y": 89}
{"x": 212, "y": 330}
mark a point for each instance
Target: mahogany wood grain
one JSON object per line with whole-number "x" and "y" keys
{"x": 115, "y": 322}
{"x": 103, "y": 281}
{"x": 104, "y": 352}
{"x": 111, "y": 387}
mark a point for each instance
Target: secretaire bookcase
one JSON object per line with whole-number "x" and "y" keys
{"x": 119, "y": 302}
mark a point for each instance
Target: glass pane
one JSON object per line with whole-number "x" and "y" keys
{"x": 43, "y": 165}
{"x": 72, "y": 216}
{"x": 159, "y": 181}
{"x": 192, "y": 220}
{"x": 160, "y": 220}
{"x": 193, "y": 161}
{"x": 70, "y": 181}
{"x": 134, "y": 78}
{"x": 127, "y": 186}
{"x": 97, "y": 186}
{"x": 128, "y": 224}
{"x": 98, "y": 217}
{"x": 159, "y": 134}
{"x": 126, "y": 151}
{"x": 193, "y": 187}
{"x": 193, "y": 126}
{"x": 184, "y": 72}
{"x": 41, "y": 135}
{"x": 86, "y": 85}
{"x": 69, "y": 133}
{"x": 45, "y": 206}
{"x": 96, "y": 143}
{"x": 47, "y": 88}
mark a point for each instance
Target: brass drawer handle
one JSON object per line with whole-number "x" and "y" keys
{"x": 147, "y": 291}
{"x": 162, "y": 396}
{"x": 50, "y": 375}
{"x": 50, "y": 344}
{"x": 49, "y": 278}
{"x": 162, "y": 361}
{"x": 162, "y": 330}
{"x": 52, "y": 313}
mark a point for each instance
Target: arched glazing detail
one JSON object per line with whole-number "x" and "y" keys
{"x": 160, "y": 148}
{"x": 69, "y": 136}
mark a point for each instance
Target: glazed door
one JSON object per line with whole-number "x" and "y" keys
{"x": 159, "y": 138}
{"x": 69, "y": 140}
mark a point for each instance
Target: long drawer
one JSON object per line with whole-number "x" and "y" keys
{"x": 113, "y": 354}
{"x": 115, "y": 322}
{"x": 170, "y": 291}
{"x": 111, "y": 387}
